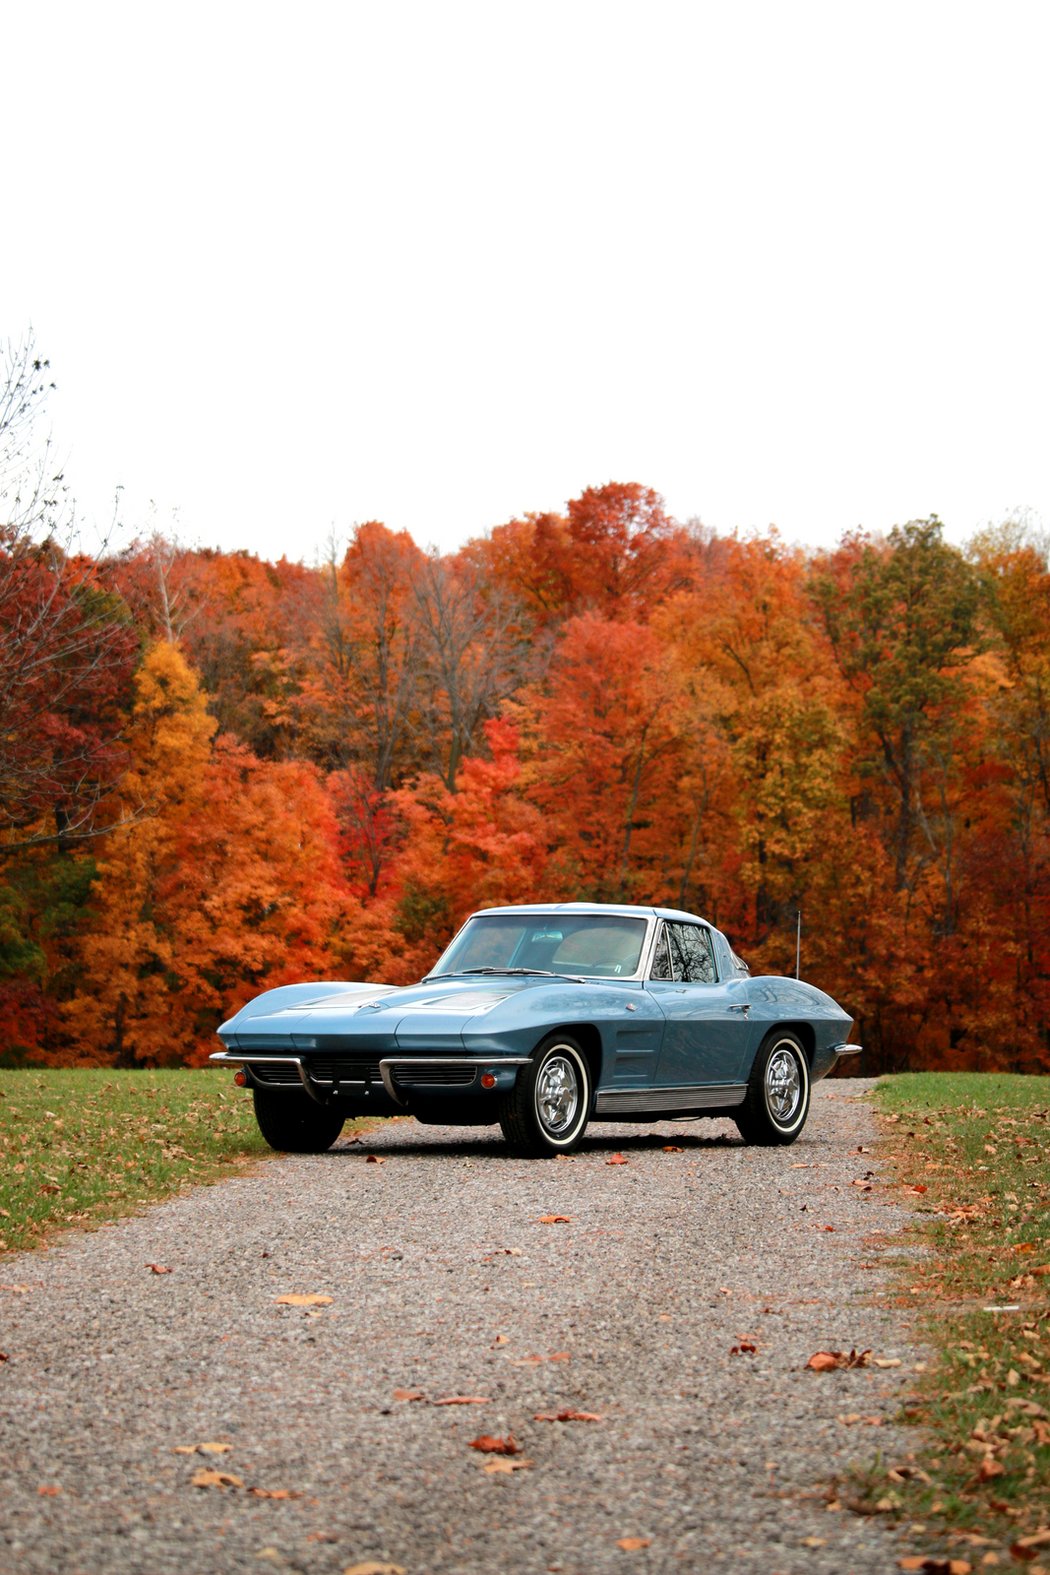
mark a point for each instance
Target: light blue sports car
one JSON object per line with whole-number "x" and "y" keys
{"x": 543, "y": 1018}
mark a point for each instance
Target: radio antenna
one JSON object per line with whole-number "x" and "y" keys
{"x": 798, "y": 945}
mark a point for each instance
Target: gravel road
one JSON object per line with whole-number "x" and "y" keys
{"x": 443, "y": 1282}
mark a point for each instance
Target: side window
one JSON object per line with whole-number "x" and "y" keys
{"x": 694, "y": 946}
{"x": 661, "y": 968}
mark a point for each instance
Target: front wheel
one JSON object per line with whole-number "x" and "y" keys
{"x": 548, "y": 1108}
{"x": 294, "y": 1123}
{"x": 777, "y": 1100}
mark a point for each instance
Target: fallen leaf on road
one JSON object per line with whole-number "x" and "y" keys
{"x": 502, "y": 1339}
{"x": 534, "y": 1361}
{"x": 496, "y": 1446}
{"x": 464, "y": 1400}
{"x": 255, "y": 1492}
{"x": 371, "y": 1567}
{"x": 814, "y": 1542}
{"x": 375, "y": 1159}
{"x": 936, "y": 1566}
{"x": 745, "y": 1348}
{"x": 49, "y": 1490}
{"x": 828, "y": 1361}
{"x": 218, "y": 1479}
{"x": 617, "y": 1159}
{"x": 632, "y": 1544}
{"x": 157, "y": 1268}
{"x": 673, "y": 1148}
{"x": 201, "y": 1449}
{"x": 554, "y": 1219}
{"x": 294, "y": 1299}
{"x": 568, "y": 1416}
{"x": 408, "y": 1394}
{"x": 887, "y": 1361}
{"x": 503, "y": 1466}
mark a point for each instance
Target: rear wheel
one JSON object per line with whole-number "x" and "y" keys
{"x": 294, "y": 1123}
{"x": 777, "y": 1100}
{"x": 548, "y": 1108}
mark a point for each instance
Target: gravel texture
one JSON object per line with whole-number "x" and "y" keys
{"x": 443, "y": 1281}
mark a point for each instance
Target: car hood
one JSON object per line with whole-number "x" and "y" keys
{"x": 324, "y": 1011}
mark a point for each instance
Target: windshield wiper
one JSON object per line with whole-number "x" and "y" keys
{"x": 532, "y": 973}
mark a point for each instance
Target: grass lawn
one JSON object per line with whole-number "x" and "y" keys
{"x": 972, "y": 1152}
{"x": 85, "y": 1145}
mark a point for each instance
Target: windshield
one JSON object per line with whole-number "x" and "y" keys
{"x": 594, "y": 945}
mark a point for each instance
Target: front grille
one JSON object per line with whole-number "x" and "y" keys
{"x": 449, "y": 1076}
{"x": 325, "y": 1069}
{"x": 276, "y": 1074}
{"x": 321, "y": 1069}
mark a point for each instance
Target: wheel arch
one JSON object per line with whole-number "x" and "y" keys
{"x": 589, "y": 1039}
{"x": 803, "y": 1032}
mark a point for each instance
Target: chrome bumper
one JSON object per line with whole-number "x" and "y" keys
{"x": 387, "y": 1067}
{"x": 846, "y": 1049}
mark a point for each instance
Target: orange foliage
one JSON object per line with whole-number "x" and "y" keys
{"x": 325, "y": 770}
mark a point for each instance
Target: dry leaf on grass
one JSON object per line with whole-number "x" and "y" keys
{"x": 554, "y": 1219}
{"x": 632, "y": 1544}
{"x": 205, "y": 1478}
{"x": 488, "y": 1445}
{"x": 829, "y": 1361}
{"x": 294, "y": 1299}
{"x": 1027, "y": 1548}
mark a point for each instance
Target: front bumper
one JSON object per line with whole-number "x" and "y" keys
{"x": 324, "y": 1078}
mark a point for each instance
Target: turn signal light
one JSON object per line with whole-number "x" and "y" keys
{"x": 488, "y": 1079}
{"x": 240, "y": 1079}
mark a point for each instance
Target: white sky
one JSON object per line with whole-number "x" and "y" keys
{"x": 441, "y": 263}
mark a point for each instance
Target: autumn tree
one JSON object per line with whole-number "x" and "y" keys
{"x": 901, "y": 618}
{"x": 601, "y": 753}
{"x": 67, "y": 647}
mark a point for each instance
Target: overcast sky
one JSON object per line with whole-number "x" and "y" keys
{"x": 443, "y": 263}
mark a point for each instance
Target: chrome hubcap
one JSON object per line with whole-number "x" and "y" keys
{"x": 783, "y": 1085}
{"x": 557, "y": 1094}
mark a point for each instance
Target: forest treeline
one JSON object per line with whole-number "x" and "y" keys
{"x": 219, "y": 774}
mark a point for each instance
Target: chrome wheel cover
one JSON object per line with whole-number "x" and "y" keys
{"x": 784, "y": 1090}
{"x": 557, "y": 1094}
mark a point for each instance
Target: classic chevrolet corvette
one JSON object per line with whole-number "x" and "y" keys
{"x": 543, "y": 1018}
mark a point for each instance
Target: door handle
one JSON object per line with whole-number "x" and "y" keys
{"x": 743, "y": 1006}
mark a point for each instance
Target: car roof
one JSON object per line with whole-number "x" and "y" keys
{"x": 625, "y": 909}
